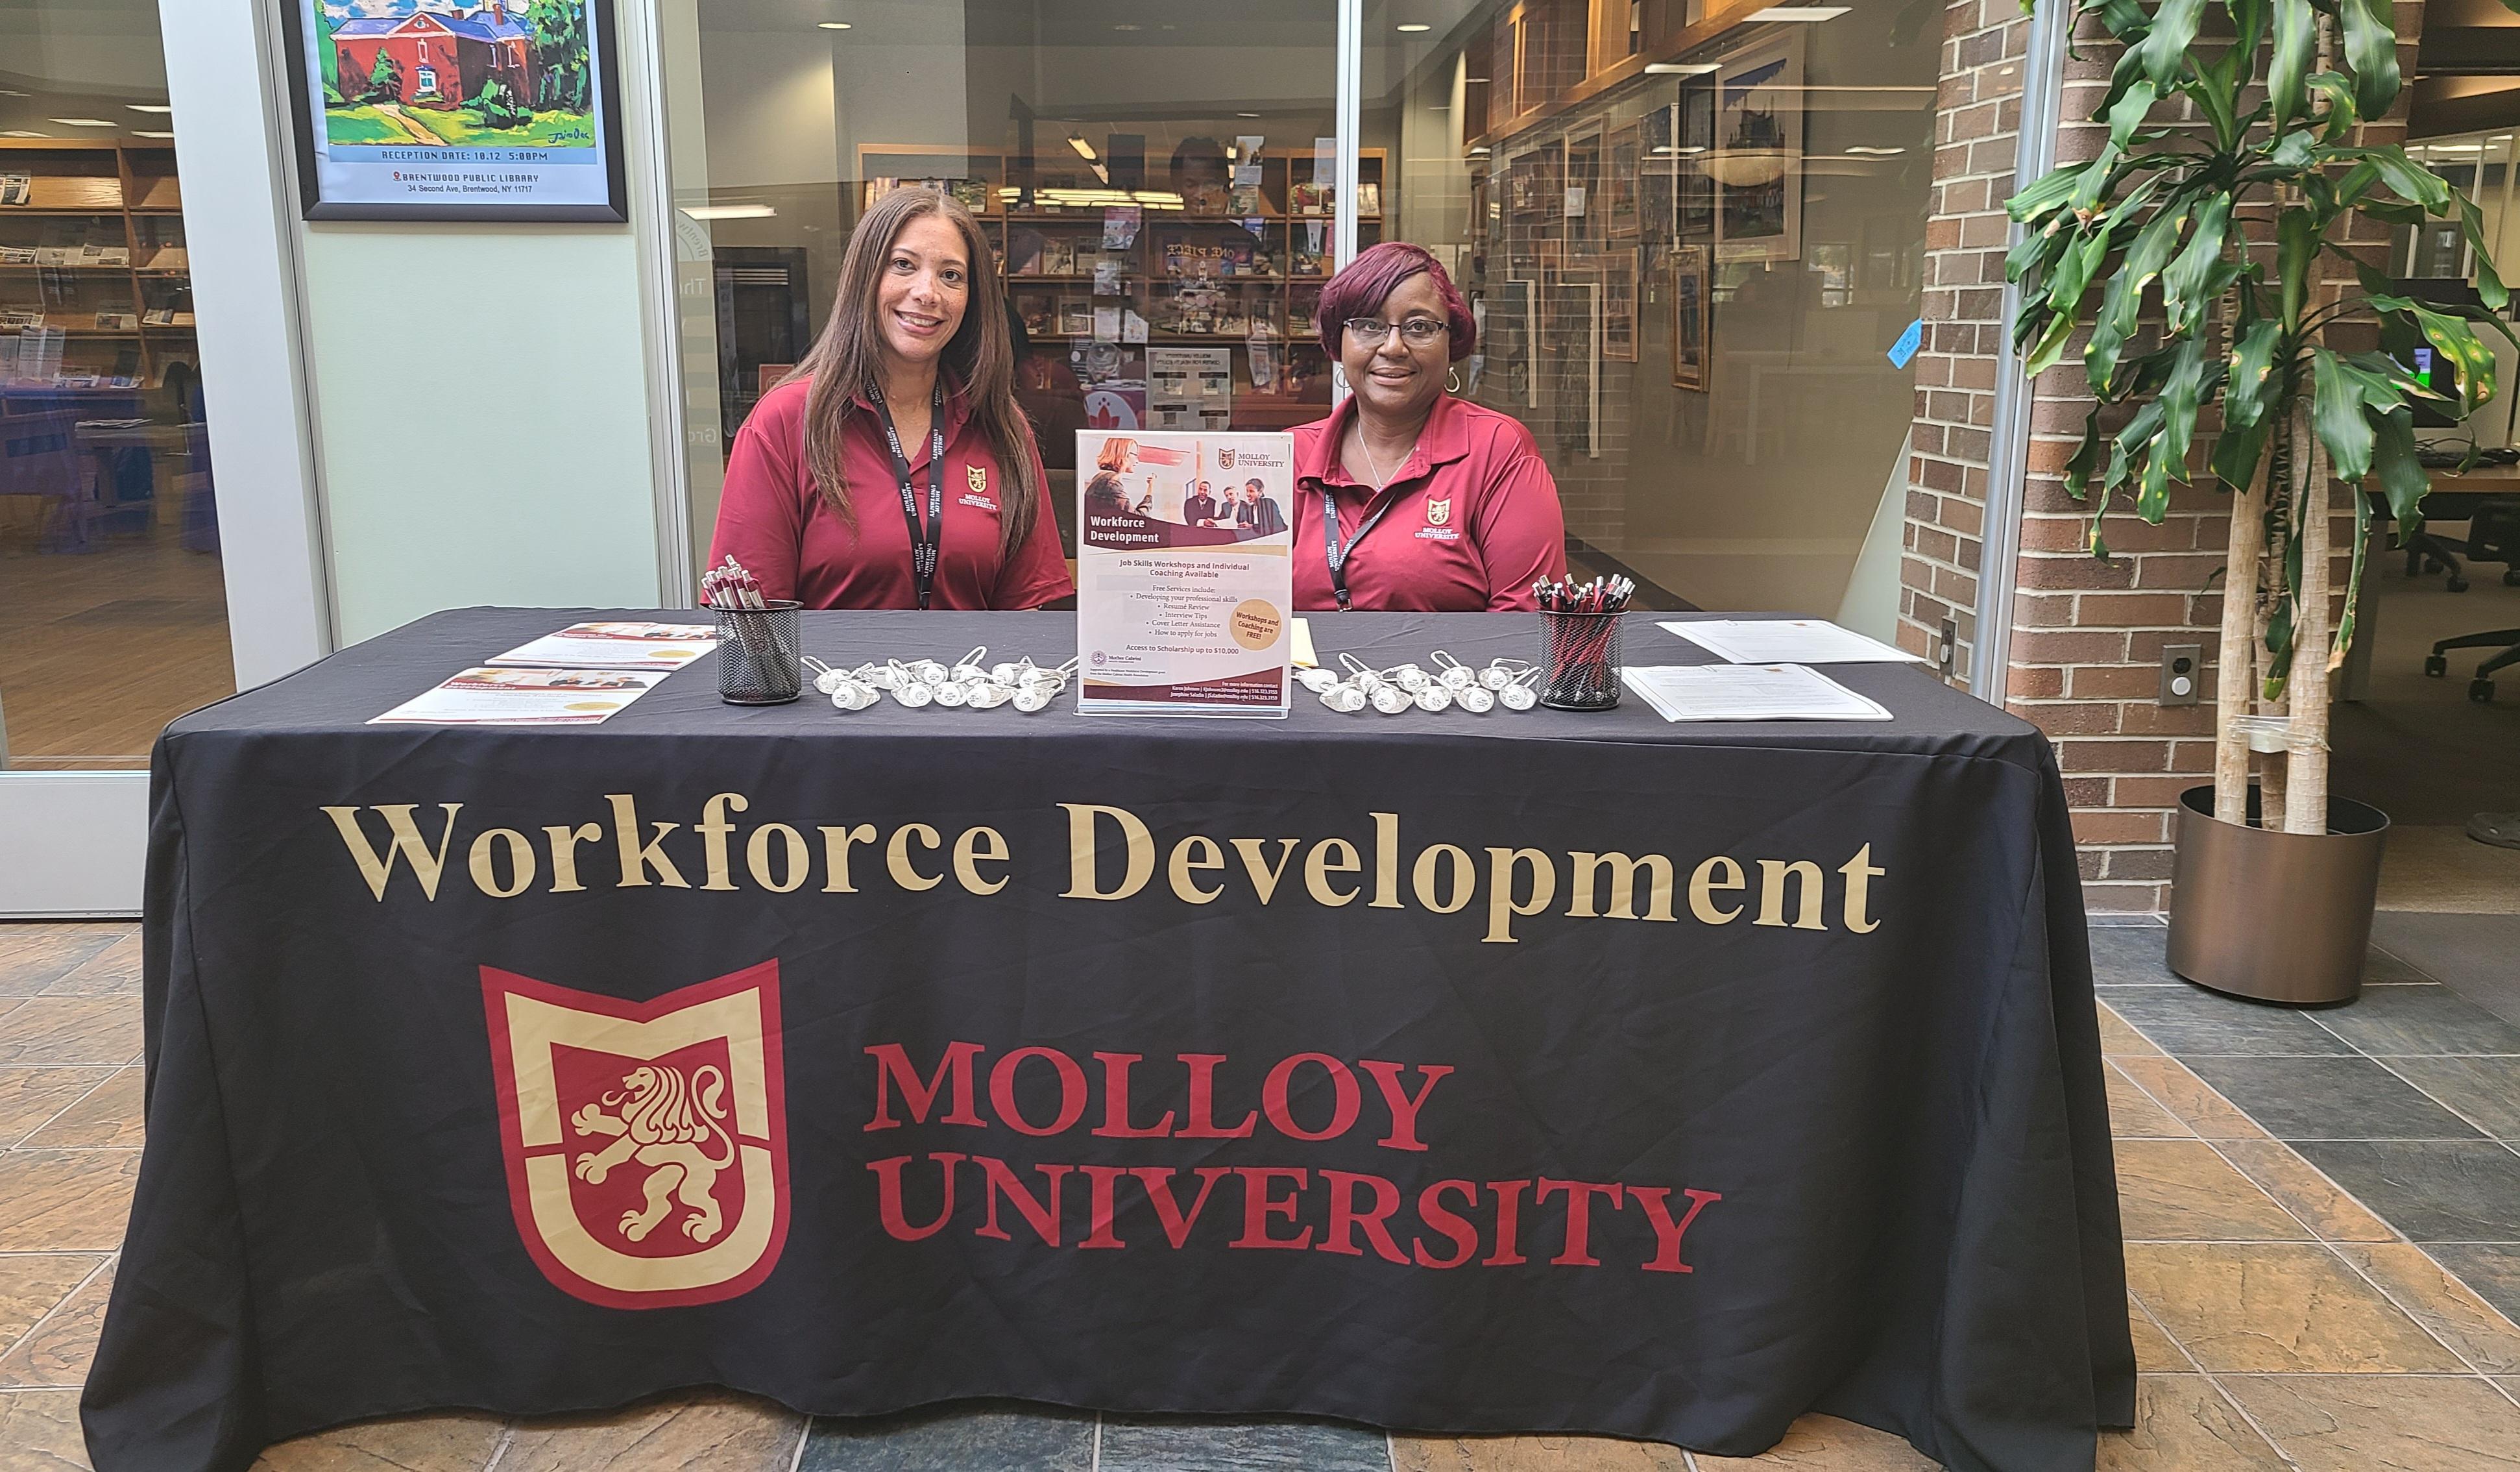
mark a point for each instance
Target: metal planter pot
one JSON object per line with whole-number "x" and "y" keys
{"x": 2277, "y": 917}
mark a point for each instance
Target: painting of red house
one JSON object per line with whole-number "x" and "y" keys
{"x": 444, "y": 57}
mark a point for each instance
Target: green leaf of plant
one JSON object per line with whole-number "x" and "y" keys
{"x": 2336, "y": 414}
{"x": 2341, "y": 116}
{"x": 2249, "y": 32}
{"x": 2127, "y": 112}
{"x": 2236, "y": 453}
{"x": 2252, "y": 383}
{"x": 2372, "y": 50}
{"x": 2174, "y": 30}
{"x": 2216, "y": 93}
{"x": 2184, "y": 281}
{"x": 2472, "y": 361}
{"x": 2344, "y": 641}
{"x": 2078, "y": 467}
{"x": 2185, "y": 387}
{"x": 2296, "y": 38}
{"x": 2152, "y": 490}
{"x": 2408, "y": 180}
{"x": 2401, "y": 476}
{"x": 2296, "y": 235}
{"x": 2488, "y": 281}
{"x": 2110, "y": 329}
{"x": 2051, "y": 345}
{"x": 2046, "y": 194}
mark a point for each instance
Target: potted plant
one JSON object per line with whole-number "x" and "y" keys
{"x": 2194, "y": 246}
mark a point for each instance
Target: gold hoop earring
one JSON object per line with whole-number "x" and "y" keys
{"x": 1452, "y": 380}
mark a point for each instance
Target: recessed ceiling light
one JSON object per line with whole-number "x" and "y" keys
{"x": 22, "y": 133}
{"x": 148, "y": 107}
{"x": 86, "y": 122}
{"x": 830, "y": 26}
{"x": 1802, "y": 13}
{"x": 730, "y": 212}
{"x": 1247, "y": 114}
{"x": 13, "y": 92}
{"x": 1679, "y": 68}
{"x": 1125, "y": 25}
{"x": 1879, "y": 152}
{"x": 137, "y": 133}
{"x": 1412, "y": 27}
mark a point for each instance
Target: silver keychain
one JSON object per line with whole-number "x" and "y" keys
{"x": 1478, "y": 699}
{"x": 1318, "y": 679}
{"x": 1518, "y": 695}
{"x": 1344, "y": 698}
{"x": 953, "y": 694}
{"x": 1392, "y": 700}
{"x": 1434, "y": 699}
{"x": 1502, "y": 671}
{"x": 1453, "y": 674}
{"x": 968, "y": 667}
{"x": 988, "y": 695}
{"x": 1408, "y": 677}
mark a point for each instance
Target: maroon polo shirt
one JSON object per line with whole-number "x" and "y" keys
{"x": 773, "y": 519}
{"x": 1474, "y": 519}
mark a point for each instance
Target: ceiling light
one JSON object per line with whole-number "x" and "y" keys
{"x": 1481, "y": 149}
{"x": 86, "y": 122}
{"x": 1802, "y": 13}
{"x": 1412, "y": 27}
{"x": 13, "y": 92}
{"x": 830, "y": 26}
{"x": 136, "y": 133}
{"x": 1878, "y": 152}
{"x": 1084, "y": 149}
{"x": 1247, "y": 114}
{"x": 22, "y": 133}
{"x": 730, "y": 212}
{"x": 148, "y": 107}
{"x": 1679, "y": 68}
{"x": 1125, "y": 25}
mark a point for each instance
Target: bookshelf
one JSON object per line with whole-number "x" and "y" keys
{"x": 95, "y": 247}
{"x": 1227, "y": 269}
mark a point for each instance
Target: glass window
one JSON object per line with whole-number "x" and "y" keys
{"x": 1690, "y": 252}
{"x": 112, "y": 608}
{"x": 1155, "y": 179}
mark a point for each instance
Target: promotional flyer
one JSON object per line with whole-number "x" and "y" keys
{"x": 1185, "y": 581}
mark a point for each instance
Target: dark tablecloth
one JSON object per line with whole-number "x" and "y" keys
{"x": 1315, "y": 1123}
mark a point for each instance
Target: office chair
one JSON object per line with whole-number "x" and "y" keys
{"x": 2492, "y": 535}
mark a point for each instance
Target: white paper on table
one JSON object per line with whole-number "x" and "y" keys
{"x": 1787, "y": 641}
{"x": 1748, "y": 692}
{"x": 485, "y": 697}
{"x": 615, "y": 644}
{"x": 1305, "y": 657}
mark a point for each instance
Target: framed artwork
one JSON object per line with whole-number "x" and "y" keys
{"x": 1693, "y": 161}
{"x": 1619, "y": 179}
{"x": 1522, "y": 184}
{"x": 1619, "y": 272}
{"x": 1758, "y": 158}
{"x": 1693, "y": 316}
{"x": 1658, "y": 172}
{"x": 431, "y": 110}
{"x": 1583, "y": 186}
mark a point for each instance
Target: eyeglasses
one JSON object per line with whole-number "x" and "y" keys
{"x": 1417, "y": 332}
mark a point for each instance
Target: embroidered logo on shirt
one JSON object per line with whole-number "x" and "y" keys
{"x": 978, "y": 476}
{"x": 1439, "y": 513}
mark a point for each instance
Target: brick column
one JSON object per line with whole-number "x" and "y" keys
{"x": 2087, "y": 635}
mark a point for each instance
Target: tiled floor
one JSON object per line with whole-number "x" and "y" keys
{"x": 2279, "y": 1323}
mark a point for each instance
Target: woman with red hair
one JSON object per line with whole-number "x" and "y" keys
{"x": 1466, "y": 513}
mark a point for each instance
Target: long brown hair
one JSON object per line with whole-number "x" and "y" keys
{"x": 846, "y": 363}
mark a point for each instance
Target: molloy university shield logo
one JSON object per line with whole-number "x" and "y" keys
{"x": 647, "y": 1142}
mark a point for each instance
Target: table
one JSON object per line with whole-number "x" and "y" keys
{"x": 1333, "y": 1065}
{"x": 2454, "y": 497}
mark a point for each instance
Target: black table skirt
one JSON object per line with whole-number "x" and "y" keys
{"x": 1542, "y": 1073}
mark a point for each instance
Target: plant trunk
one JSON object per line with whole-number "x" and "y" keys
{"x": 2237, "y": 664}
{"x": 2306, "y": 804}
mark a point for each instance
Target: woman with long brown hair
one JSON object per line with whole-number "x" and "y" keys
{"x": 907, "y": 401}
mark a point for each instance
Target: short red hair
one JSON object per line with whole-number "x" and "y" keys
{"x": 1369, "y": 281}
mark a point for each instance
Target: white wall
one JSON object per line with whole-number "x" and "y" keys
{"x": 482, "y": 416}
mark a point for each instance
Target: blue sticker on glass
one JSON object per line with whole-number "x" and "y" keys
{"x": 1906, "y": 347}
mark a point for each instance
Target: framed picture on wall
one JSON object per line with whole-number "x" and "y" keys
{"x": 1619, "y": 305}
{"x": 1657, "y": 173}
{"x": 1583, "y": 186}
{"x": 431, "y": 110}
{"x": 1693, "y": 317}
{"x": 1522, "y": 185}
{"x": 1758, "y": 158}
{"x": 1619, "y": 178}
{"x": 1694, "y": 161}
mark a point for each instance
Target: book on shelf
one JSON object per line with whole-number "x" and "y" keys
{"x": 19, "y": 320}
{"x": 1244, "y": 200}
{"x": 16, "y": 188}
{"x": 116, "y": 322}
{"x": 1368, "y": 199}
{"x": 17, "y": 256}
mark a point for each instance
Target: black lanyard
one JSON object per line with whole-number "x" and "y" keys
{"x": 1336, "y": 554}
{"x": 923, "y": 539}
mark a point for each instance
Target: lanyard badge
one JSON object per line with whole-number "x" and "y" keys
{"x": 925, "y": 538}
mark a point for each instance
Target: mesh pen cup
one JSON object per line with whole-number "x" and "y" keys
{"x": 1580, "y": 654}
{"x": 759, "y": 659}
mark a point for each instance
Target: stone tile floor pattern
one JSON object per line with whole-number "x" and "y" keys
{"x": 2321, "y": 1209}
